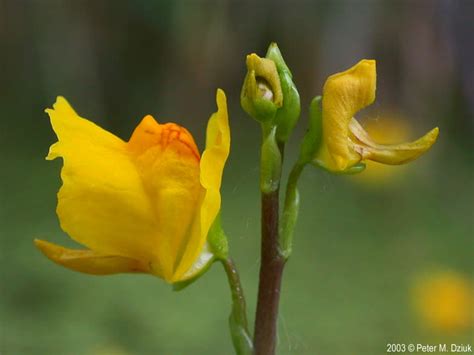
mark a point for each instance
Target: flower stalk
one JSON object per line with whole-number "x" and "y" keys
{"x": 290, "y": 211}
{"x": 272, "y": 260}
{"x": 238, "y": 323}
{"x": 271, "y": 272}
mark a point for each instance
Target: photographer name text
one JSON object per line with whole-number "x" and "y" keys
{"x": 429, "y": 348}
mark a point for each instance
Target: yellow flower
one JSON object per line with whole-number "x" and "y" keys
{"x": 344, "y": 142}
{"x": 145, "y": 205}
{"x": 444, "y": 301}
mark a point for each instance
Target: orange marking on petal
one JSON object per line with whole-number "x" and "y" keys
{"x": 150, "y": 133}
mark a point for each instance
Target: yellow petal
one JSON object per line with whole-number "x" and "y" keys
{"x": 88, "y": 261}
{"x": 392, "y": 154}
{"x": 102, "y": 202}
{"x": 213, "y": 160}
{"x": 217, "y": 145}
{"x": 168, "y": 163}
{"x": 386, "y": 128}
{"x": 211, "y": 169}
{"x": 264, "y": 69}
{"x": 343, "y": 95}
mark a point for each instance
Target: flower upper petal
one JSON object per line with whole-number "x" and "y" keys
{"x": 213, "y": 160}
{"x": 168, "y": 162}
{"x": 211, "y": 169}
{"x": 102, "y": 202}
{"x": 217, "y": 145}
{"x": 343, "y": 95}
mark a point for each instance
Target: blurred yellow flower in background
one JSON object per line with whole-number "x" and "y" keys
{"x": 145, "y": 205}
{"x": 444, "y": 301}
{"x": 344, "y": 143}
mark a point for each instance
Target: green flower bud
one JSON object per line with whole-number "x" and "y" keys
{"x": 287, "y": 115}
{"x": 261, "y": 94}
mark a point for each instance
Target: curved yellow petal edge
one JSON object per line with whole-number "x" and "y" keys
{"x": 211, "y": 169}
{"x": 143, "y": 204}
{"x": 344, "y": 142}
{"x": 90, "y": 262}
{"x": 102, "y": 202}
{"x": 391, "y": 154}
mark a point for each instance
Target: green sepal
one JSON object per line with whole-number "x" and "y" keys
{"x": 355, "y": 169}
{"x": 288, "y": 114}
{"x": 217, "y": 240}
{"x": 181, "y": 285}
{"x": 312, "y": 138}
{"x": 274, "y": 53}
{"x": 270, "y": 165}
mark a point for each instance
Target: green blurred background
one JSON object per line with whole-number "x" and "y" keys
{"x": 361, "y": 244}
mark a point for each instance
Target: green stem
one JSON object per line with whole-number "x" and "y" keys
{"x": 271, "y": 273}
{"x": 272, "y": 262}
{"x": 270, "y": 160}
{"x": 290, "y": 210}
{"x": 238, "y": 317}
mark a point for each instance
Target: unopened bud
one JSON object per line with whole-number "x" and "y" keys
{"x": 261, "y": 93}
